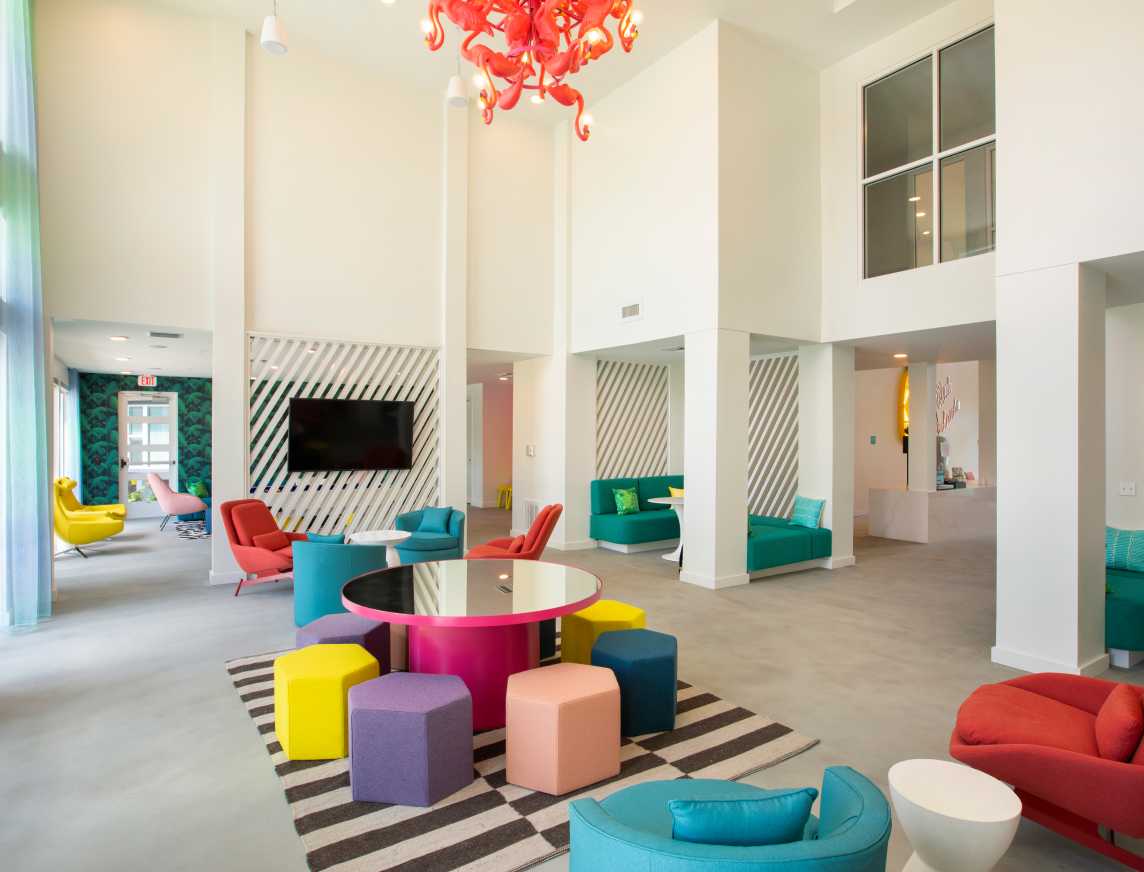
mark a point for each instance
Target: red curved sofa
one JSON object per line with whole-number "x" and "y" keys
{"x": 1076, "y": 763}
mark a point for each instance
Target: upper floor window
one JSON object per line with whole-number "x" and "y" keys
{"x": 929, "y": 159}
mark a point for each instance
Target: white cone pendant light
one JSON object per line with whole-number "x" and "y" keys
{"x": 273, "y": 37}
{"x": 457, "y": 95}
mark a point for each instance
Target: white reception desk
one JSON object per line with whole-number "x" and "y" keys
{"x": 933, "y": 516}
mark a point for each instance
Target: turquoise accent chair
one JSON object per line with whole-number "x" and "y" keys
{"x": 321, "y": 570}
{"x": 422, "y": 547}
{"x": 631, "y": 830}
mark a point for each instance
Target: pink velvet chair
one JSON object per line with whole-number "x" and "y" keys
{"x": 173, "y": 503}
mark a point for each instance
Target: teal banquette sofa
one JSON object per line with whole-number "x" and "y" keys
{"x": 653, "y": 523}
{"x": 632, "y": 830}
{"x": 1123, "y": 613}
{"x": 773, "y": 542}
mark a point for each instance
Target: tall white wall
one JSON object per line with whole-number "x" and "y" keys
{"x": 769, "y": 253}
{"x": 882, "y": 464}
{"x": 124, "y": 102}
{"x": 1124, "y": 410}
{"x": 344, "y": 217}
{"x": 1069, "y": 145}
{"x": 644, "y": 213}
{"x": 958, "y": 292}
{"x": 510, "y": 234}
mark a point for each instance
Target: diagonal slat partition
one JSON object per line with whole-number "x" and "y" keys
{"x": 772, "y": 438}
{"x": 631, "y": 419}
{"x": 327, "y": 502}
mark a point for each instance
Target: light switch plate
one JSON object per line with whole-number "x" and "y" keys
{"x": 1128, "y": 488}
{"x": 530, "y": 450}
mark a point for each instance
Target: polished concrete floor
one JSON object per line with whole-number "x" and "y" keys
{"x": 123, "y": 744}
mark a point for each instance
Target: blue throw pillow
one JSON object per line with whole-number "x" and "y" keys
{"x": 1124, "y": 549}
{"x": 435, "y": 520}
{"x": 339, "y": 539}
{"x": 807, "y": 512}
{"x": 775, "y": 819}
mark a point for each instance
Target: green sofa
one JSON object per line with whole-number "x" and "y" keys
{"x": 773, "y": 542}
{"x": 653, "y": 526}
{"x": 1124, "y": 616}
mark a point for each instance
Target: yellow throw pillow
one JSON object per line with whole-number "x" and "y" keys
{"x": 675, "y": 491}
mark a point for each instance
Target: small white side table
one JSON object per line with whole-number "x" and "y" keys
{"x": 956, "y": 818}
{"x": 389, "y": 538}
{"x": 677, "y": 504}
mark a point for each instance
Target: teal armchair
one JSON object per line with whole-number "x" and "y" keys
{"x": 631, "y": 830}
{"x": 321, "y": 570}
{"x": 423, "y": 546}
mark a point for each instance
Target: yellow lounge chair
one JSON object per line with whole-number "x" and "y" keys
{"x": 88, "y": 524}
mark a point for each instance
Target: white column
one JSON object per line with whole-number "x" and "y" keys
{"x": 826, "y": 440}
{"x": 675, "y": 418}
{"x": 229, "y": 358}
{"x": 1050, "y": 456}
{"x": 987, "y": 422}
{"x": 922, "y": 460}
{"x": 452, "y": 421}
{"x": 715, "y": 377}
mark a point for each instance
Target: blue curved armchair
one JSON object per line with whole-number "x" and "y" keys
{"x": 631, "y": 830}
{"x": 422, "y": 546}
{"x": 321, "y": 571}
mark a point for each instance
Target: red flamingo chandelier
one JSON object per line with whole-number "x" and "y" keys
{"x": 546, "y": 42}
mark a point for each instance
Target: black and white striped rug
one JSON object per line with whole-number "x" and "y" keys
{"x": 191, "y": 530}
{"x": 492, "y": 825}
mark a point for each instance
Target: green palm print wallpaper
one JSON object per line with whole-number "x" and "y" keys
{"x": 99, "y": 431}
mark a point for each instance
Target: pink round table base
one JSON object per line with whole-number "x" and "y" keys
{"x": 484, "y": 658}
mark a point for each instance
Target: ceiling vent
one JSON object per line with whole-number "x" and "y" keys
{"x": 159, "y": 334}
{"x": 631, "y": 312}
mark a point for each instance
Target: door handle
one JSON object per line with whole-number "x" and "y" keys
{"x": 122, "y": 462}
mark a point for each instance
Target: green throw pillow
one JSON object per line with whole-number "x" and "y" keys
{"x": 807, "y": 512}
{"x": 1124, "y": 549}
{"x": 627, "y": 500}
{"x": 199, "y": 489}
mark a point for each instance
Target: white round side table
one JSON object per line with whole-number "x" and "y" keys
{"x": 956, "y": 818}
{"x": 677, "y": 504}
{"x": 389, "y": 538}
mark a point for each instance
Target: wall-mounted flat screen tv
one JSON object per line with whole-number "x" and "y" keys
{"x": 339, "y": 435}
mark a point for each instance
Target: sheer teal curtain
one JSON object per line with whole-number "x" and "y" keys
{"x": 25, "y": 528}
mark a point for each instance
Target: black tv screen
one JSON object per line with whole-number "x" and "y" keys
{"x": 337, "y": 435}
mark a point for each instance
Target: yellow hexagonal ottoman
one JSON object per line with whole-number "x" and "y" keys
{"x": 311, "y": 686}
{"x": 579, "y": 631}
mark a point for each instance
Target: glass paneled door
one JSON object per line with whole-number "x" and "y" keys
{"x": 148, "y": 442}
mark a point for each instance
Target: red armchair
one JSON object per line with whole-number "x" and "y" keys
{"x": 263, "y": 551}
{"x": 527, "y": 547}
{"x": 1048, "y": 736}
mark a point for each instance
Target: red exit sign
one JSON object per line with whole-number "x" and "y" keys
{"x": 148, "y": 381}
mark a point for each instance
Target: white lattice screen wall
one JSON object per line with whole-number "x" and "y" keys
{"x": 772, "y": 437}
{"x": 631, "y": 419}
{"x": 281, "y": 368}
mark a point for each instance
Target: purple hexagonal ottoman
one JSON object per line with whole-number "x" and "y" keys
{"x": 411, "y": 738}
{"x": 348, "y": 629}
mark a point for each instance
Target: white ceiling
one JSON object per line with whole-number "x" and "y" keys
{"x": 1125, "y": 278}
{"x": 943, "y": 345}
{"x": 84, "y": 345}
{"x": 488, "y": 366}
{"x": 670, "y": 350}
{"x": 389, "y": 37}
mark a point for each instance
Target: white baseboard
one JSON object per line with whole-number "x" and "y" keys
{"x": 736, "y": 580}
{"x": 1033, "y": 663}
{"x": 639, "y": 547}
{"x": 230, "y": 577}
{"x": 840, "y": 562}
{"x": 1122, "y": 659}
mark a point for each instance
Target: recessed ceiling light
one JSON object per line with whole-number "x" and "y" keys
{"x": 925, "y": 233}
{"x": 117, "y": 338}
{"x": 921, "y": 215}
{"x": 122, "y": 359}
{"x": 125, "y": 372}
{"x": 311, "y": 351}
{"x": 900, "y": 356}
{"x": 274, "y": 366}
{"x": 915, "y": 199}
{"x": 157, "y": 346}
{"x": 503, "y": 576}
{"x": 387, "y": 2}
